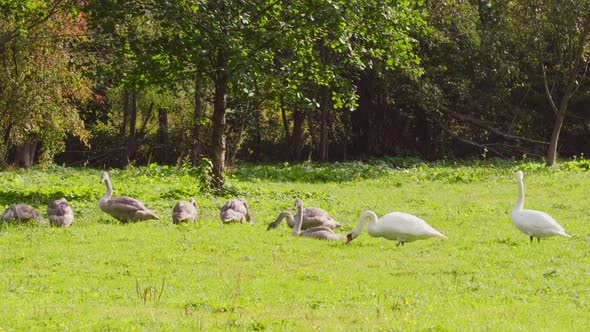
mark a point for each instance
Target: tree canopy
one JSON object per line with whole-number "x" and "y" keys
{"x": 114, "y": 82}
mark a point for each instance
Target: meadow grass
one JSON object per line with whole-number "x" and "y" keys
{"x": 102, "y": 275}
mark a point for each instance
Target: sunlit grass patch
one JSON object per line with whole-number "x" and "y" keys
{"x": 99, "y": 274}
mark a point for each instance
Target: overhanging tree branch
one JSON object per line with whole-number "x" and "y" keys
{"x": 548, "y": 95}
{"x": 484, "y": 124}
{"x": 470, "y": 142}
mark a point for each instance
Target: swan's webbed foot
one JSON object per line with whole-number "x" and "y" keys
{"x": 532, "y": 238}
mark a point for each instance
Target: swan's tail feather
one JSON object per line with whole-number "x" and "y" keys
{"x": 438, "y": 234}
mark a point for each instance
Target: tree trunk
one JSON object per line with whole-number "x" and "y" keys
{"x": 570, "y": 88}
{"x": 257, "y": 144}
{"x": 25, "y": 153}
{"x": 231, "y": 159}
{"x": 196, "y": 123}
{"x": 163, "y": 135}
{"x": 148, "y": 115}
{"x": 285, "y": 122}
{"x": 359, "y": 119}
{"x": 6, "y": 142}
{"x": 296, "y": 148}
{"x": 219, "y": 122}
{"x": 314, "y": 139}
{"x": 346, "y": 130}
{"x": 132, "y": 141}
{"x": 123, "y": 129}
{"x": 325, "y": 114}
{"x": 552, "y": 152}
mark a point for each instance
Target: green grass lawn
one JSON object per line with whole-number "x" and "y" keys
{"x": 102, "y": 275}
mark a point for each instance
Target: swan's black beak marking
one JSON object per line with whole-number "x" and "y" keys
{"x": 348, "y": 238}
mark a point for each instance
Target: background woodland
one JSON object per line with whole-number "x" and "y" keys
{"x": 112, "y": 83}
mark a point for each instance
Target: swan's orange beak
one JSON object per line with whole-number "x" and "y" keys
{"x": 348, "y": 238}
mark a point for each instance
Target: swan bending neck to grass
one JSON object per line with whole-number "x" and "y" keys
{"x": 398, "y": 226}
{"x": 318, "y": 232}
{"x": 536, "y": 224}
{"x": 184, "y": 211}
{"x": 122, "y": 208}
{"x": 60, "y": 213}
{"x": 236, "y": 210}
{"x": 21, "y": 213}
{"x": 312, "y": 217}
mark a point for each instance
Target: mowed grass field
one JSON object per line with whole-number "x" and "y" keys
{"x": 102, "y": 275}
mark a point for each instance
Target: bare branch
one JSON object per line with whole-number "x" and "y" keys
{"x": 470, "y": 142}
{"x": 484, "y": 125}
{"x": 547, "y": 92}
{"x": 579, "y": 54}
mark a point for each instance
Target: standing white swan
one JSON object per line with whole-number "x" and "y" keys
{"x": 60, "y": 213}
{"x": 398, "y": 226}
{"x": 531, "y": 222}
{"x": 318, "y": 232}
{"x": 123, "y": 208}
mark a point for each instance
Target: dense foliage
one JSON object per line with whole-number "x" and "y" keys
{"x": 124, "y": 82}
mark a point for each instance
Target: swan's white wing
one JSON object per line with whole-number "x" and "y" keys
{"x": 404, "y": 227}
{"x": 536, "y": 223}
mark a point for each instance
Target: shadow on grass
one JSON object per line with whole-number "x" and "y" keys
{"x": 36, "y": 198}
{"x": 311, "y": 172}
{"x": 466, "y": 171}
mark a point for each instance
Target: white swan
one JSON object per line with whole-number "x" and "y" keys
{"x": 531, "y": 222}
{"x": 60, "y": 213}
{"x": 185, "y": 211}
{"x": 235, "y": 210}
{"x": 312, "y": 217}
{"x": 21, "y": 213}
{"x": 123, "y": 208}
{"x": 398, "y": 226}
{"x": 318, "y": 232}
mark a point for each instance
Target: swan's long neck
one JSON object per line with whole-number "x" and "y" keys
{"x": 298, "y": 221}
{"x": 520, "y": 202}
{"x": 298, "y": 214}
{"x": 283, "y": 215}
{"x": 290, "y": 218}
{"x": 248, "y": 215}
{"x": 359, "y": 226}
{"x": 109, "y": 192}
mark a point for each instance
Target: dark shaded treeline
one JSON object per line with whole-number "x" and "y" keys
{"x": 175, "y": 82}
